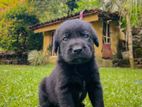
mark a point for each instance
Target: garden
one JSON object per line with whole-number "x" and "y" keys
{"x": 19, "y": 86}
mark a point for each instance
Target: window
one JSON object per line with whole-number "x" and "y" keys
{"x": 106, "y": 49}
{"x": 106, "y": 32}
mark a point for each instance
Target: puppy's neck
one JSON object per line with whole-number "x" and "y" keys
{"x": 65, "y": 65}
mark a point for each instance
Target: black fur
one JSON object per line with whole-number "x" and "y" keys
{"x": 76, "y": 72}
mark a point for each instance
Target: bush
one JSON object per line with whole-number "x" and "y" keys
{"x": 37, "y": 58}
{"x": 138, "y": 53}
{"x": 118, "y": 62}
{"x": 15, "y": 34}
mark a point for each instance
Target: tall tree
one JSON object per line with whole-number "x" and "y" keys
{"x": 49, "y": 9}
{"x": 72, "y": 4}
{"x": 87, "y": 5}
{"x": 15, "y": 33}
{"x": 6, "y": 4}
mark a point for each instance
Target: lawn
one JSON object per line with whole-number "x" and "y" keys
{"x": 19, "y": 86}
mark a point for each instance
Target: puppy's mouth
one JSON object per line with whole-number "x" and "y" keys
{"x": 79, "y": 60}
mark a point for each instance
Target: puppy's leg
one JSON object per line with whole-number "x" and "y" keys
{"x": 95, "y": 92}
{"x": 65, "y": 98}
{"x": 43, "y": 98}
{"x": 82, "y": 96}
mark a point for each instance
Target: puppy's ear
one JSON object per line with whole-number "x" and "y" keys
{"x": 55, "y": 42}
{"x": 95, "y": 37}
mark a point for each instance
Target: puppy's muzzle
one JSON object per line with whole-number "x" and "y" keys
{"x": 77, "y": 49}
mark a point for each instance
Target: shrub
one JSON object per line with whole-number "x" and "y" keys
{"x": 37, "y": 58}
{"x": 15, "y": 34}
{"x": 138, "y": 53}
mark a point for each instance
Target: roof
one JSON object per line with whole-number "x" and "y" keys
{"x": 98, "y": 12}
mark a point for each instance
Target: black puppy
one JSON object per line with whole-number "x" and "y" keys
{"x": 76, "y": 72}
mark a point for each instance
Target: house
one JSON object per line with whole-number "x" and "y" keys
{"x": 105, "y": 24}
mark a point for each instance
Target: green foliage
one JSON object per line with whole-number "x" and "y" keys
{"x": 136, "y": 13}
{"x": 19, "y": 86}
{"x": 125, "y": 7}
{"x": 49, "y": 9}
{"x": 138, "y": 53}
{"x": 15, "y": 34}
{"x": 6, "y": 3}
{"x": 53, "y": 9}
{"x": 37, "y": 58}
{"x": 87, "y": 5}
{"x": 4, "y": 30}
{"x": 1, "y": 49}
{"x": 72, "y": 4}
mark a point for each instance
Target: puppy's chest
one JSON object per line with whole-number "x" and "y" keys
{"x": 82, "y": 73}
{"x": 77, "y": 82}
{"x": 79, "y": 77}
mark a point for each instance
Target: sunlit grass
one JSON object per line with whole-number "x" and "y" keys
{"x": 19, "y": 86}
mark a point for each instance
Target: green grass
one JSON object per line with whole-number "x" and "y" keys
{"x": 19, "y": 86}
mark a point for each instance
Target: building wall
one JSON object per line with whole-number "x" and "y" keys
{"x": 47, "y": 41}
{"x": 98, "y": 28}
{"x": 115, "y": 36}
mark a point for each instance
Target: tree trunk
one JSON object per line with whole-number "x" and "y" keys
{"x": 130, "y": 40}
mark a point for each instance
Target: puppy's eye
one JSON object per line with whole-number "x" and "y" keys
{"x": 65, "y": 38}
{"x": 86, "y": 35}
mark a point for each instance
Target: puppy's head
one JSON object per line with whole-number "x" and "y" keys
{"x": 74, "y": 41}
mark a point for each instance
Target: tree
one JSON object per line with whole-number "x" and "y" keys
{"x": 15, "y": 34}
{"x": 87, "y": 5}
{"x": 72, "y": 4}
{"x": 47, "y": 10}
{"x": 7, "y": 4}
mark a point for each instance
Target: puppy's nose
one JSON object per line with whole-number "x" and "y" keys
{"x": 77, "y": 49}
